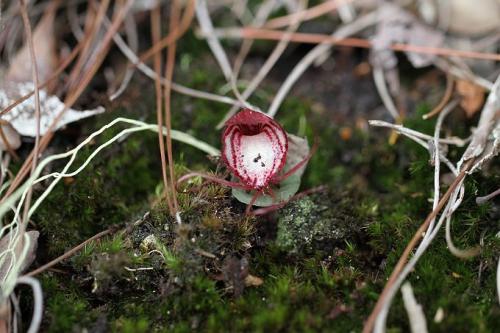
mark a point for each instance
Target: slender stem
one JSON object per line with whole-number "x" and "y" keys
{"x": 306, "y": 15}
{"x": 34, "y": 74}
{"x": 169, "y": 72}
{"x": 68, "y": 254}
{"x": 446, "y": 97}
{"x": 172, "y": 36}
{"x": 155, "y": 34}
{"x": 314, "y": 38}
{"x": 368, "y": 327}
{"x": 298, "y": 165}
{"x": 212, "y": 179}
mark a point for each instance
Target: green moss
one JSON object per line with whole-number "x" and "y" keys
{"x": 317, "y": 223}
{"x": 126, "y": 325}
{"x": 65, "y": 306}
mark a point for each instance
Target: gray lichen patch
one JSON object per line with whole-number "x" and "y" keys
{"x": 317, "y": 222}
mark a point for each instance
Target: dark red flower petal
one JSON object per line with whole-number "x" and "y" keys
{"x": 254, "y": 147}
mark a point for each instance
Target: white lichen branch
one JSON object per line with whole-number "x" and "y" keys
{"x": 416, "y": 315}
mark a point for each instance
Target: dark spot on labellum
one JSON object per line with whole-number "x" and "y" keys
{"x": 262, "y": 164}
{"x": 255, "y": 160}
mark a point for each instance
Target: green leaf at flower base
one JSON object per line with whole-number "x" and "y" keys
{"x": 286, "y": 189}
{"x": 298, "y": 149}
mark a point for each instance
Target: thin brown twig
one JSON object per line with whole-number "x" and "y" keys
{"x": 444, "y": 100}
{"x": 155, "y": 35}
{"x": 175, "y": 13}
{"x": 264, "y": 11}
{"x": 266, "y": 66}
{"x": 34, "y": 74}
{"x": 313, "y": 38}
{"x": 103, "y": 51}
{"x": 210, "y": 178}
{"x": 93, "y": 22}
{"x": 184, "y": 24}
{"x": 92, "y": 26}
{"x": 69, "y": 253}
{"x": 368, "y": 327}
{"x": 306, "y": 15}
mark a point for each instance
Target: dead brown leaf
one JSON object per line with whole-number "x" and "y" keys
{"x": 235, "y": 271}
{"x": 472, "y": 96}
{"x": 485, "y": 142}
{"x": 45, "y": 50}
{"x": 9, "y": 138}
{"x": 253, "y": 281}
{"x": 5, "y": 316}
{"x": 30, "y": 255}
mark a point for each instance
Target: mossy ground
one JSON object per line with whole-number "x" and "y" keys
{"x": 221, "y": 271}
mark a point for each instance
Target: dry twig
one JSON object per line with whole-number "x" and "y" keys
{"x": 312, "y": 38}
{"x": 155, "y": 34}
{"x": 446, "y": 97}
{"x": 169, "y": 72}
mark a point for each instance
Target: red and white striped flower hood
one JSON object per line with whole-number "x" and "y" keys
{"x": 254, "y": 147}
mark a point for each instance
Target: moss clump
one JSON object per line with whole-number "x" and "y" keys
{"x": 212, "y": 231}
{"x": 66, "y": 307}
{"x": 317, "y": 222}
{"x": 159, "y": 267}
